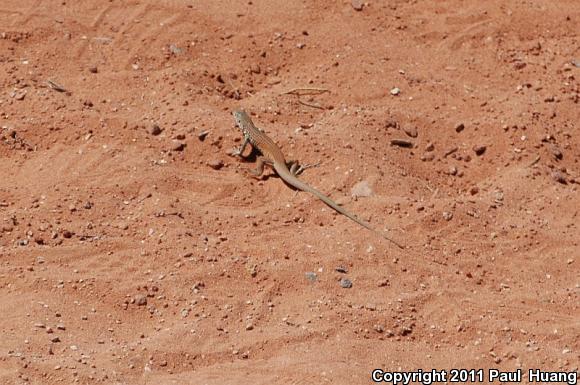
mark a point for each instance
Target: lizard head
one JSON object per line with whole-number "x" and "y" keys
{"x": 240, "y": 117}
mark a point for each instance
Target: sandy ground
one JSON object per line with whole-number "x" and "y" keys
{"x": 134, "y": 249}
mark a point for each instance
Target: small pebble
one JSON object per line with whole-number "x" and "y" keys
{"x": 176, "y": 145}
{"x": 345, "y": 283}
{"x": 361, "y": 189}
{"x": 447, "y": 215}
{"x": 395, "y": 91}
{"x": 401, "y": 143}
{"x": 357, "y": 5}
{"x": 460, "y": 127}
{"x": 93, "y": 69}
{"x": 141, "y": 300}
{"x": 559, "y": 177}
{"x": 216, "y": 164}
{"x": 154, "y": 129}
{"x": 311, "y": 276}
{"x": 479, "y": 149}
{"x": 411, "y": 131}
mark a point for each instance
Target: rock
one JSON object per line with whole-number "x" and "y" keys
{"x": 361, "y": 189}
{"x": 357, "y": 5}
{"x": 555, "y": 151}
{"x": 154, "y": 129}
{"x": 559, "y": 177}
{"x": 447, "y": 215}
{"x": 428, "y": 157}
{"x": 395, "y": 91}
{"x": 411, "y": 131}
{"x": 401, "y": 143}
{"x": 202, "y": 135}
{"x": 175, "y": 49}
{"x": 345, "y": 283}
{"x": 429, "y": 147}
{"x": 311, "y": 276}
{"x": 474, "y": 190}
{"x": 141, "y": 300}
{"x": 460, "y": 127}
{"x": 177, "y": 145}
{"x": 216, "y": 164}
{"x": 479, "y": 149}
{"x": 93, "y": 69}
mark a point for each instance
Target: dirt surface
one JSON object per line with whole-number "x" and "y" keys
{"x": 134, "y": 249}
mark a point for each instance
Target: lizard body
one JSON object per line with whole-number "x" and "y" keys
{"x": 273, "y": 156}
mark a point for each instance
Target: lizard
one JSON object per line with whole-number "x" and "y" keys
{"x": 272, "y": 156}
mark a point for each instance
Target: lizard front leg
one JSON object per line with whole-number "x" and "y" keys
{"x": 239, "y": 151}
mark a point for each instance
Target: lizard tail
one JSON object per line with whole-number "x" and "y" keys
{"x": 297, "y": 183}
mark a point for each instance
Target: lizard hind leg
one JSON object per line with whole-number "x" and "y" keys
{"x": 260, "y": 162}
{"x": 297, "y": 169}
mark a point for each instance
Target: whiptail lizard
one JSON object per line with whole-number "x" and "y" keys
{"x": 272, "y": 156}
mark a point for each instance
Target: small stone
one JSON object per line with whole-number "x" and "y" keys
{"x": 357, "y": 5}
{"x": 383, "y": 283}
{"x": 395, "y": 91}
{"x": 429, "y": 147}
{"x": 361, "y": 189}
{"x": 249, "y": 327}
{"x": 176, "y": 145}
{"x": 67, "y": 234}
{"x": 411, "y": 131}
{"x": 479, "y": 149}
{"x": 345, "y": 283}
{"x": 202, "y": 135}
{"x": 141, "y": 300}
{"x": 311, "y": 276}
{"x": 175, "y": 49}
{"x": 460, "y": 127}
{"x": 93, "y": 69}
{"x": 341, "y": 269}
{"x": 255, "y": 68}
{"x": 55, "y": 339}
{"x": 401, "y": 143}
{"x": 379, "y": 328}
{"x": 556, "y": 152}
{"x": 154, "y": 129}
{"x": 216, "y": 164}
{"x": 452, "y": 170}
{"x": 447, "y": 215}
{"x": 559, "y": 177}
{"x": 474, "y": 190}
{"x": 428, "y": 157}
